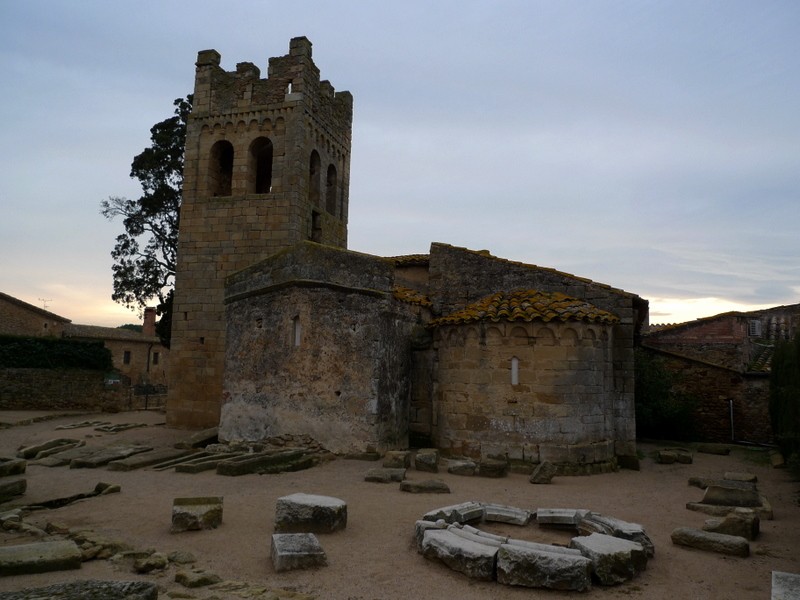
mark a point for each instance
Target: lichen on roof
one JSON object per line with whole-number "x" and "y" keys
{"x": 410, "y": 296}
{"x": 408, "y": 260}
{"x": 528, "y": 305}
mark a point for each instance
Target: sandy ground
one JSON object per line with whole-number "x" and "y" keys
{"x": 374, "y": 557}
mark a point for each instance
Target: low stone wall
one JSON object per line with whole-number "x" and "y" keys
{"x": 59, "y": 389}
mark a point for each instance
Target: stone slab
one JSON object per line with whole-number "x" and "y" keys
{"x": 785, "y": 586}
{"x": 538, "y": 547}
{"x": 560, "y": 517}
{"x": 764, "y": 511}
{"x": 385, "y": 475}
{"x": 543, "y": 473}
{"x": 428, "y": 486}
{"x": 194, "y": 514}
{"x": 740, "y": 476}
{"x": 744, "y": 523}
{"x": 476, "y": 536}
{"x": 12, "y": 466}
{"x": 473, "y": 559}
{"x": 292, "y": 551}
{"x": 536, "y": 569}
{"x": 421, "y": 526}
{"x": 731, "y": 496}
{"x": 711, "y": 542}
{"x": 40, "y": 557}
{"x": 146, "y": 459}
{"x": 596, "y": 523}
{"x": 32, "y": 451}
{"x": 310, "y": 513}
{"x": 88, "y": 590}
{"x": 102, "y": 457}
{"x": 506, "y": 514}
{"x": 466, "y": 512}
{"x": 287, "y": 460}
{"x": 614, "y": 560}
{"x": 10, "y": 488}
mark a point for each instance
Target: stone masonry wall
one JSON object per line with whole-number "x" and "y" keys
{"x": 318, "y": 345}
{"x": 459, "y": 277}
{"x": 59, "y": 389}
{"x": 16, "y": 319}
{"x": 296, "y": 115}
{"x": 714, "y": 388}
{"x": 561, "y": 408}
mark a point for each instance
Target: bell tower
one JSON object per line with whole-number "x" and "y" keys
{"x": 266, "y": 165}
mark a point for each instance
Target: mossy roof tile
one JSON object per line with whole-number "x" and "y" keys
{"x": 528, "y": 305}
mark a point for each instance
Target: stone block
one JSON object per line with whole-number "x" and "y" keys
{"x": 194, "y": 514}
{"x": 543, "y": 473}
{"x": 711, "y": 542}
{"x": 595, "y": 523}
{"x": 481, "y": 534}
{"x": 730, "y": 496}
{"x": 506, "y": 514}
{"x": 745, "y": 524}
{"x": 427, "y": 460}
{"x": 196, "y": 578}
{"x": 474, "y": 559}
{"x": 785, "y": 586}
{"x": 310, "y": 513}
{"x": 538, "y": 569}
{"x": 462, "y": 467}
{"x": 397, "y": 459}
{"x": 466, "y": 512}
{"x": 40, "y": 557}
{"x": 429, "y": 486}
{"x": 12, "y": 466}
{"x": 614, "y": 560}
{"x": 12, "y": 488}
{"x": 560, "y": 517}
{"x": 421, "y": 526}
{"x": 385, "y": 475}
{"x": 292, "y": 551}
{"x": 104, "y": 456}
{"x": 490, "y": 467}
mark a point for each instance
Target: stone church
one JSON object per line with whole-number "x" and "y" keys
{"x": 278, "y": 328}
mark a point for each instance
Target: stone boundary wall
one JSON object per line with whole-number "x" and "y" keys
{"x": 59, "y": 389}
{"x": 714, "y": 387}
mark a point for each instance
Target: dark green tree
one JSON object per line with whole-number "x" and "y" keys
{"x": 145, "y": 255}
{"x": 784, "y": 398}
{"x": 662, "y": 410}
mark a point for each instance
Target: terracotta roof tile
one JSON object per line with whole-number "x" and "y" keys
{"x": 528, "y": 305}
{"x": 408, "y": 260}
{"x": 410, "y": 296}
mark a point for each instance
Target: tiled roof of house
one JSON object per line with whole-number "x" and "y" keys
{"x": 410, "y": 296}
{"x": 32, "y": 308}
{"x": 409, "y": 260}
{"x": 105, "y": 333}
{"x": 528, "y": 305}
{"x": 762, "y": 363}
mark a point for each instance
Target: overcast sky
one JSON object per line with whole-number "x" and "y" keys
{"x": 652, "y": 146}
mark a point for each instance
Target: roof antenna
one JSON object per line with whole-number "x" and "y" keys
{"x": 44, "y": 302}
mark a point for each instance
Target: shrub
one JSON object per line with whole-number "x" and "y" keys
{"x": 784, "y": 397}
{"x": 53, "y": 353}
{"x": 662, "y": 410}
